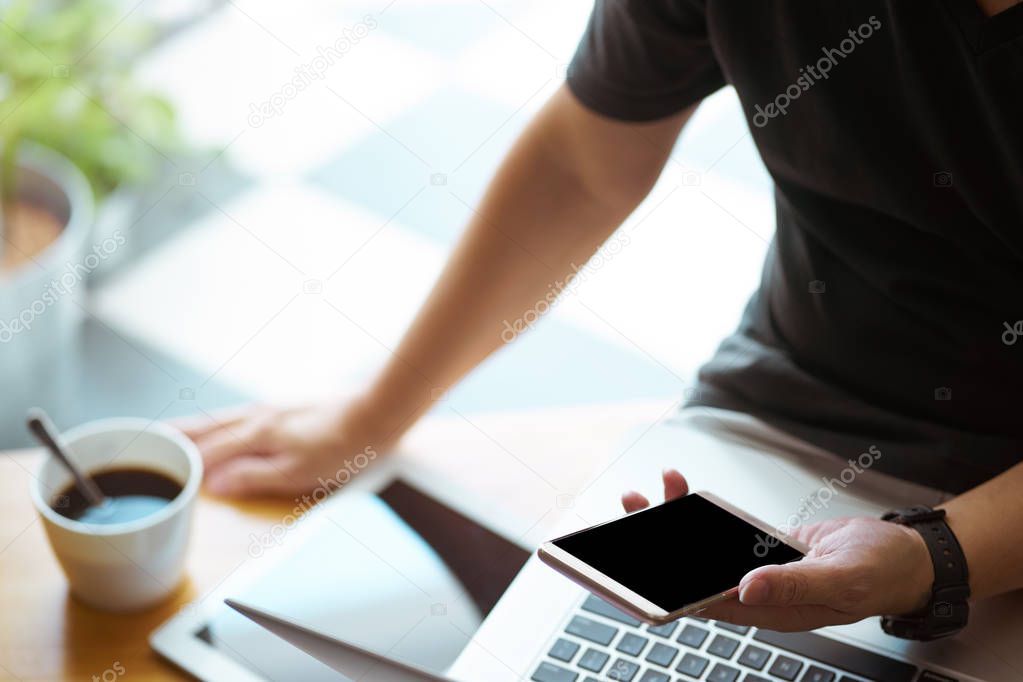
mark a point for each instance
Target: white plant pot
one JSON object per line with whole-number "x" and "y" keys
{"x": 39, "y": 316}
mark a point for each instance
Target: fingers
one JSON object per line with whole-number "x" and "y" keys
{"x": 248, "y": 476}
{"x": 781, "y": 618}
{"x": 675, "y": 484}
{"x": 231, "y": 441}
{"x": 806, "y": 582}
{"x": 199, "y": 425}
{"x": 633, "y": 501}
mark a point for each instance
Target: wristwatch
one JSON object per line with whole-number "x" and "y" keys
{"x": 948, "y": 609}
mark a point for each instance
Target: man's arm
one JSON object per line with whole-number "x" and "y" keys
{"x": 988, "y": 522}
{"x": 567, "y": 183}
{"x": 565, "y": 186}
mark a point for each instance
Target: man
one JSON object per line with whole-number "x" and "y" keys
{"x": 892, "y": 132}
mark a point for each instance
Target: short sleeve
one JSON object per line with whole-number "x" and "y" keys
{"x": 641, "y": 60}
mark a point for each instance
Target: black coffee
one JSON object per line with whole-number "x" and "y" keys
{"x": 131, "y": 494}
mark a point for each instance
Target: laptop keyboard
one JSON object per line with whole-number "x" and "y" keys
{"x": 600, "y": 642}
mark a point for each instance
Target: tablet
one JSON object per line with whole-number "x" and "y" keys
{"x": 396, "y": 572}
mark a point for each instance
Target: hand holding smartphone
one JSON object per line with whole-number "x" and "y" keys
{"x": 670, "y": 560}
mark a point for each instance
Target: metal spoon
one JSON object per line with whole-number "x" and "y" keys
{"x": 46, "y": 433}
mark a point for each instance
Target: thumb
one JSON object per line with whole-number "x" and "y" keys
{"x": 808, "y": 581}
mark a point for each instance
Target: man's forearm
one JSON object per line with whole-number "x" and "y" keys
{"x": 543, "y": 213}
{"x": 988, "y": 522}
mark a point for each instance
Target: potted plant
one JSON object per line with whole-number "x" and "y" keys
{"x": 73, "y": 126}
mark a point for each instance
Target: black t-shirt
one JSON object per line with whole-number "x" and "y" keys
{"x": 893, "y": 131}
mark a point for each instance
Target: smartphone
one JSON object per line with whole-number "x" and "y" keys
{"x": 672, "y": 560}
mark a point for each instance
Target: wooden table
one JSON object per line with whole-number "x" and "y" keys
{"x": 45, "y": 634}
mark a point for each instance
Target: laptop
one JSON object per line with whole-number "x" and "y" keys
{"x": 404, "y": 579}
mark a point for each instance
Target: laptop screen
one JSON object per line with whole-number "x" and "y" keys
{"x": 398, "y": 573}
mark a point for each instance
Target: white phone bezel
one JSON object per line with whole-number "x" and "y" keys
{"x": 632, "y": 602}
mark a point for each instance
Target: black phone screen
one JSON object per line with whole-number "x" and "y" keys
{"x": 679, "y": 552}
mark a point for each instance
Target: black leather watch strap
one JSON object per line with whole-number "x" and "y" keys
{"x": 948, "y": 610}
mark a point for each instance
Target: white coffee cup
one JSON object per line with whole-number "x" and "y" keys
{"x": 135, "y": 564}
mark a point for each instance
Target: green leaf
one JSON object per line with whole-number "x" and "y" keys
{"x": 66, "y": 83}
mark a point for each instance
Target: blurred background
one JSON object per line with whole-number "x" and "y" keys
{"x": 212, "y": 202}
